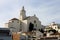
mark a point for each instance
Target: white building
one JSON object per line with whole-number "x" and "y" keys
{"x": 13, "y": 24}
{"x": 24, "y": 23}
{"x": 53, "y": 25}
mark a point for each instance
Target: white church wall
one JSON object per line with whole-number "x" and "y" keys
{"x": 24, "y": 26}
{"x": 37, "y": 25}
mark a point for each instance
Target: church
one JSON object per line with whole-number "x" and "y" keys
{"x": 24, "y": 23}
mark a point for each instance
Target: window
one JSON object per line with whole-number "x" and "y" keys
{"x": 34, "y": 21}
{"x": 55, "y": 27}
{"x": 12, "y": 21}
{"x": 35, "y": 25}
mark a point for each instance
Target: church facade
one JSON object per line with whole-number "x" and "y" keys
{"x": 24, "y": 23}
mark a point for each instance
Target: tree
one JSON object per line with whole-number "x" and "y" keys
{"x": 53, "y": 30}
{"x": 41, "y": 30}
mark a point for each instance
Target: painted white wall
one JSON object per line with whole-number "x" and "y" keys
{"x": 15, "y": 24}
{"x": 24, "y": 26}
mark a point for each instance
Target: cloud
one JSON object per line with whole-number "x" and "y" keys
{"x": 46, "y": 10}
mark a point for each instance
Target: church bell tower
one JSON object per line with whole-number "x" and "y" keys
{"x": 22, "y": 14}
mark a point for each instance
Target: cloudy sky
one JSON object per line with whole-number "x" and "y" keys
{"x": 46, "y": 10}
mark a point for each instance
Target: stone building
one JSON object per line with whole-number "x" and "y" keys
{"x": 24, "y": 23}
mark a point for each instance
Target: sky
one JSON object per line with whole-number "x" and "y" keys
{"x": 46, "y": 10}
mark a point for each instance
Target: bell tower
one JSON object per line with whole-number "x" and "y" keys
{"x": 22, "y": 14}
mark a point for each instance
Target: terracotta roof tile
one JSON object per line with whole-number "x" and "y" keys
{"x": 14, "y": 19}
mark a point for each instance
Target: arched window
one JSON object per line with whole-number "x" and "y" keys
{"x": 34, "y": 21}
